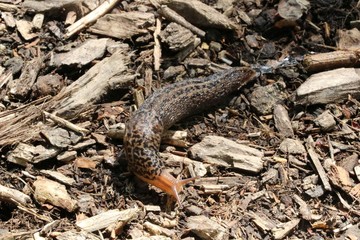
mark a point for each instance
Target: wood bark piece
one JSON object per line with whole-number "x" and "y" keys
{"x": 200, "y": 14}
{"x": 282, "y": 230}
{"x": 59, "y": 177}
{"x": 9, "y": 7}
{"x": 331, "y": 60}
{"x": 59, "y": 137}
{"x": 224, "y": 152}
{"x": 317, "y": 164}
{"x": 14, "y": 196}
{"x": 26, "y": 153}
{"x": 50, "y": 5}
{"x": 93, "y": 85}
{"x": 328, "y": 87}
{"x": 292, "y": 146}
{"x": 282, "y": 121}
{"x": 103, "y": 220}
{"x": 25, "y": 29}
{"x": 48, "y": 191}
{"x": 158, "y": 230}
{"x": 75, "y": 235}
{"x": 20, "y": 88}
{"x": 262, "y": 221}
{"x": 85, "y": 53}
{"x": 123, "y": 25}
{"x": 90, "y": 18}
{"x": 8, "y": 19}
{"x": 198, "y": 167}
{"x": 206, "y": 228}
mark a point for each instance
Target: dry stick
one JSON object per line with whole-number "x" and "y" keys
{"x": 157, "y": 47}
{"x": 315, "y": 159}
{"x": 91, "y": 17}
{"x": 66, "y": 123}
{"x": 175, "y": 17}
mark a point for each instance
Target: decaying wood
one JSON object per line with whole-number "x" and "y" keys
{"x": 93, "y": 85}
{"x": 331, "y": 60}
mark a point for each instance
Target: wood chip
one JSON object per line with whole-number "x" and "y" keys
{"x": 206, "y": 228}
{"x": 48, "y": 191}
{"x": 224, "y": 152}
{"x": 103, "y": 220}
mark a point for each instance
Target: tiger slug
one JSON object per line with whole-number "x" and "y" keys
{"x": 165, "y": 107}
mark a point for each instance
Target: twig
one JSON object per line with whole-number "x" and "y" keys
{"x": 315, "y": 159}
{"x": 157, "y": 47}
{"x": 66, "y": 123}
{"x": 90, "y": 18}
{"x": 175, "y": 17}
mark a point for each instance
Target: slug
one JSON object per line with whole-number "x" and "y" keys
{"x": 165, "y": 107}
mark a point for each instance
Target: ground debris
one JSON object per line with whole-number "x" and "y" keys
{"x": 283, "y": 160}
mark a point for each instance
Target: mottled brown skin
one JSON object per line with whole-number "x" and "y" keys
{"x": 165, "y": 107}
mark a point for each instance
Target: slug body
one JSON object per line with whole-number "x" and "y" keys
{"x": 165, "y": 107}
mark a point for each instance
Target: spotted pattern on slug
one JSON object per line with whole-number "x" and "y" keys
{"x": 169, "y": 105}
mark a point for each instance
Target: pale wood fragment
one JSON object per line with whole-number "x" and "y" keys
{"x": 48, "y": 191}
{"x": 262, "y": 221}
{"x": 282, "y": 121}
{"x": 90, "y": 18}
{"x": 328, "y": 87}
{"x": 317, "y": 164}
{"x": 282, "y": 230}
{"x": 107, "y": 218}
{"x": 25, "y": 153}
{"x": 157, "y": 46}
{"x": 93, "y": 85}
{"x": 66, "y": 123}
{"x": 224, "y": 152}
{"x": 9, "y": 7}
{"x": 123, "y": 25}
{"x": 200, "y": 14}
{"x": 8, "y": 19}
{"x": 14, "y": 196}
{"x": 175, "y": 17}
{"x": 83, "y": 54}
{"x": 303, "y": 207}
{"x": 59, "y": 177}
{"x": 158, "y": 230}
{"x": 25, "y": 29}
{"x": 206, "y": 228}
{"x": 331, "y": 60}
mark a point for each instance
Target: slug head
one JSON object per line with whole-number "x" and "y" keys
{"x": 166, "y": 182}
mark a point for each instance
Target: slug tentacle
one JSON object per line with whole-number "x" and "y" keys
{"x": 165, "y": 107}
